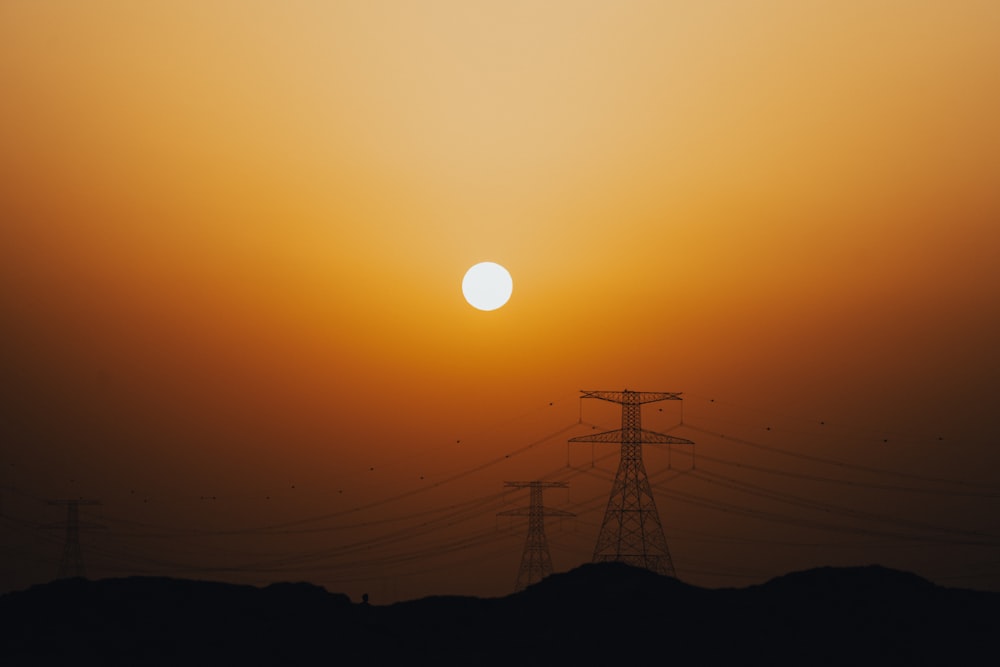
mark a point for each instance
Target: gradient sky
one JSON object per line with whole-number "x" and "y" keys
{"x": 232, "y": 238}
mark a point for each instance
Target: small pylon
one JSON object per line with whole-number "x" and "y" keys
{"x": 631, "y": 531}
{"x": 71, "y": 563}
{"x": 536, "y": 562}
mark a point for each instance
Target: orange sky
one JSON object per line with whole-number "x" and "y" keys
{"x": 232, "y": 237}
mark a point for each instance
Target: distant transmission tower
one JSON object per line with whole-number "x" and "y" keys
{"x": 536, "y": 562}
{"x": 71, "y": 564}
{"x": 631, "y": 531}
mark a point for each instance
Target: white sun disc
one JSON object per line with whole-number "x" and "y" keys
{"x": 487, "y": 286}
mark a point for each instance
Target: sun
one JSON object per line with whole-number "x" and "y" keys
{"x": 487, "y": 286}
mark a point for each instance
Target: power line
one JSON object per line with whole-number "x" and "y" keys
{"x": 842, "y": 464}
{"x": 848, "y": 482}
{"x": 746, "y": 487}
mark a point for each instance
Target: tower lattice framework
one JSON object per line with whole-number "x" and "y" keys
{"x": 536, "y": 562}
{"x": 71, "y": 563}
{"x": 631, "y": 531}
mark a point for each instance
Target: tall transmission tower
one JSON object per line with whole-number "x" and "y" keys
{"x": 536, "y": 562}
{"x": 71, "y": 563}
{"x": 631, "y": 531}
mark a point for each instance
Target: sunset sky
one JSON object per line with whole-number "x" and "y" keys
{"x": 233, "y": 235}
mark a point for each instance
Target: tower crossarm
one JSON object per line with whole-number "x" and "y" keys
{"x": 632, "y": 397}
{"x": 537, "y": 509}
{"x": 85, "y": 525}
{"x": 647, "y": 438}
{"x": 527, "y": 511}
{"x": 537, "y": 485}
{"x": 73, "y": 516}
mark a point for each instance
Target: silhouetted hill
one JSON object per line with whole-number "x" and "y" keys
{"x": 593, "y": 615}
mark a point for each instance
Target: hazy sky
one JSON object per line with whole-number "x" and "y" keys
{"x": 232, "y": 238}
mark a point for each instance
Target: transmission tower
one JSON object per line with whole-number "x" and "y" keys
{"x": 71, "y": 564}
{"x": 536, "y": 563}
{"x": 631, "y": 531}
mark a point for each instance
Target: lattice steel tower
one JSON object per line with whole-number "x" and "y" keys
{"x": 71, "y": 564}
{"x": 536, "y": 562}
{"x": 631, "y": 531}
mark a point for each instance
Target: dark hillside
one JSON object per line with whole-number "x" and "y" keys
{"x": 593, "y": 615}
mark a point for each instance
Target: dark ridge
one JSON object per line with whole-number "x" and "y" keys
{"x": 607, "y": 579}
{"x": 861, "y": 579}
{"x": 596, "y": 614}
